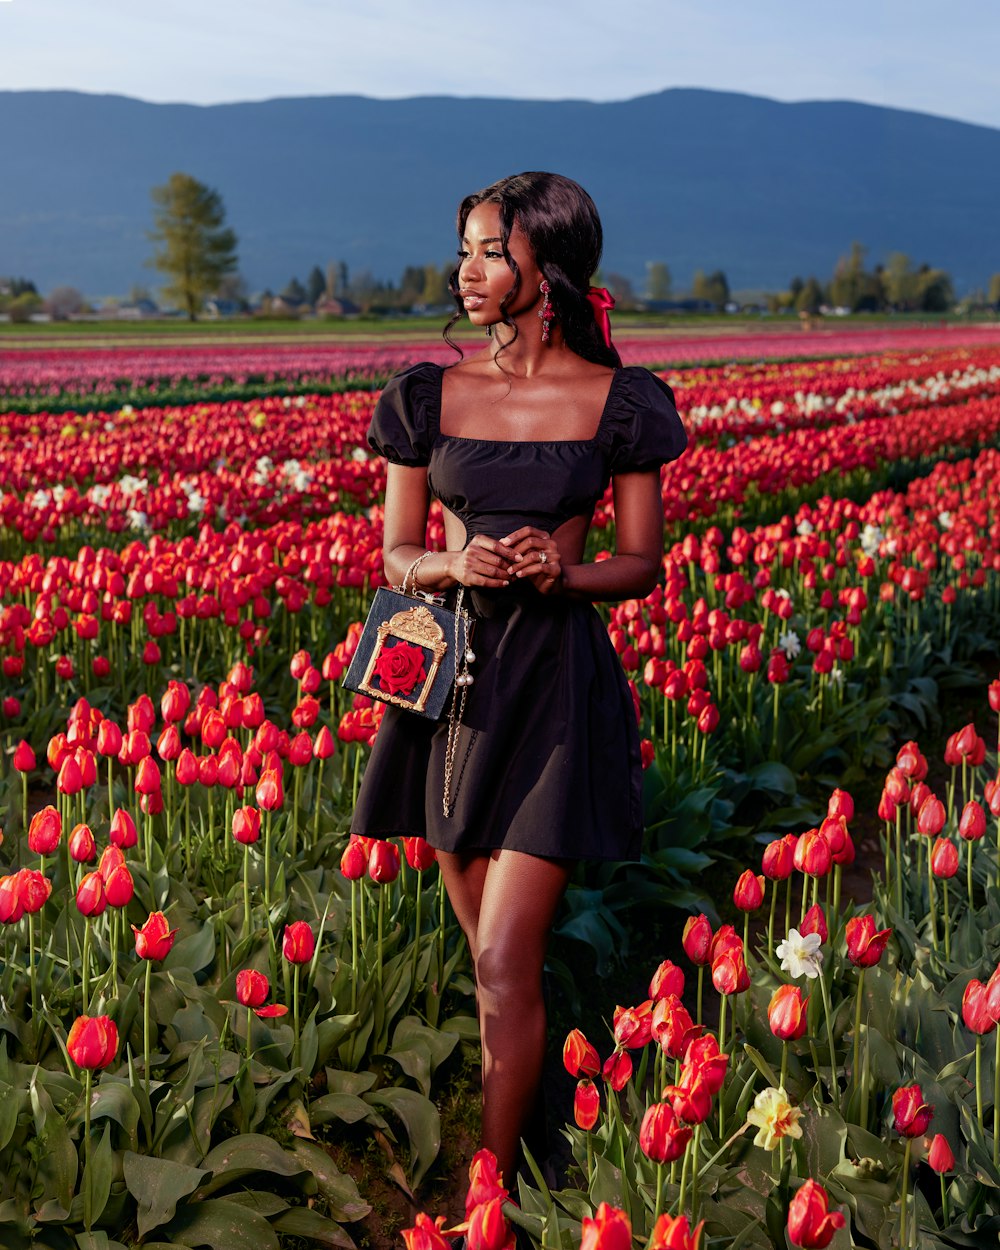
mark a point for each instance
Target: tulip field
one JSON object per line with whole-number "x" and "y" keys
{"x": 207, "y": 985}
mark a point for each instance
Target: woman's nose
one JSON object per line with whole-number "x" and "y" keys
{"x": 468, "y": 271}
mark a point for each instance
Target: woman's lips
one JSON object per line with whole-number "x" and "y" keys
{"x": 473, "y": 301}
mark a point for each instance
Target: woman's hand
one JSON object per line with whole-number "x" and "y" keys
{"x": 535, "y": 557}
{"x": 483, "y": 562}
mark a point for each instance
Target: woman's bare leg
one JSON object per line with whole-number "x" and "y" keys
{"x": 519, "y": 900}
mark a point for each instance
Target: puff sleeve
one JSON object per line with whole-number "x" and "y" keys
{"x": 404, "y": 423}
{"x": 645, "y": 428}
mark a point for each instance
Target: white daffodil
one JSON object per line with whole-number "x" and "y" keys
{"x": 805, "y": 528}
{"x": 774, "y": 1117}
{"x": 789, "y": 643}
{"x": 871, "y": 540}
{"x": 945, "y": 520}
{"x": 800, "y": 954}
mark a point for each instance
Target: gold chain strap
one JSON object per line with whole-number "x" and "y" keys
{"x": 463, "y": 680}
{"x": 411, "y": 574}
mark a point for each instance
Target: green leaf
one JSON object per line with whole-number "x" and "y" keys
{"x": 774, "y": 779}
{"x": 222, "y": 1225}
{"x": 97, "y": 1177}
{"x": 339, "y": 1190}
{"x": 194, "y": 952}
{"x": 242, "y": 1156}
{"x": 9, "y": 1099}
{"x": 422, "y": 1123}
{"x": 345, "y": 1107}
{"x": 313, "y": 1227}
{"x": 157, "y": 1186}
{"x": 59, "y": 1164}
{"x": 114, "y": 1099}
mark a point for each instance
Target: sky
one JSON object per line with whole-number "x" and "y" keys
{"x": 911, "y": 54}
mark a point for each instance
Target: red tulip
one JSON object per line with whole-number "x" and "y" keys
{"x": 186, "y": 768}
{"x": 811, "y": 1225}
{"x": 617, "y": 1069}
{"x": 34, "y": 889}
{"x": 724, "y": 939}
{"x": 485, "y": 1182}
{"x": 608, "y": 1230}
{"x": 90, "y": 896}
{"x": 122, "y": 832}
{"x": 298, "y": 943}
{"x": 420, "y": 855}
{"x": 24, "y": 757}
{"x": 633, "y": 1025}
{"x": 972, "y": 825}
{"x": 729, "y": 972}
{"x": 252, "y": 987}
{"x": 270, "y": 791}
{"x": 865, "y": 944}
{"x": 354, "y": 861}
{"x": 815, "y": 922}
{"x": 976, "y": 1015}
{"x": 671, "y": 1026}
{"x": 944, "y": 858}
{"x": 786, "y": 1013}
{"x": 812, "y": 854}
{"x": 910, "y": 1114}
{"x": 931, "y": 816}
{"x": 662, "y": 1137}
{"x": 704, "y": 1060}
{"x": 691, "y": 1100}
{"x": 383, "y": 862}
{"x": 586, "y": 1104}
{"x": 70, "y": 778}
{"x": 748, "y": 893}
{"x": 246, "y": 825}
{"x": 155, "y": 938}
{"x": 673, "y": 1232}
{"x": 93, "y": 1042}
{"x": 667, "y": 979}
{"x": 325, "y": 745}
{"x": 11, "y": 903}
{"x": 697, "y": 939}
{"x": 119, "y": 886}
{"x": 488, "y": 1228}
{"x": 45, "y": 831}
{"x": 940, "y": 1156}
{"x": 778, "y": 859}
{"x": 579, "y": 1057}
{"x": 82, "y": 847}
{"x": 426, "y": 1234}
{"x": 840, "y": 803}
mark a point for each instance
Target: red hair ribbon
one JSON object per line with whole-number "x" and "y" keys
{"x": 602, "y": 302}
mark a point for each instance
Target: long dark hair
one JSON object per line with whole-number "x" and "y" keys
{"x": 559, "y": 220}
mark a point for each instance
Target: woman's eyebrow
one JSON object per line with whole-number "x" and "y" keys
{"x": 497, "y": 239}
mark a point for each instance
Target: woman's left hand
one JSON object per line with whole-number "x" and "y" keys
{"x": 535, "y": 558}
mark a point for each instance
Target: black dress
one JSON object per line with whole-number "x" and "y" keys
{"x": 548, "y": 757}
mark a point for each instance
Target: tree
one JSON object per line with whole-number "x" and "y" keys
{"x": 994, "y": 295}
{"x": 658, "y": 280}
{"x": 64, "y": 302}
{"x": 936, "y": 293}
{"x": 621, "y": 288}
{"x": 809, "y": 297}
{"x": 714, "y": 288}
{"x": 315, "y": 285}
{"x": 294, "y": 292}
{"x": 197, "y": 249}
{"x": 849, "y": 278}
{"x": 435, "y": 291}
{"x": 902, "y": 286}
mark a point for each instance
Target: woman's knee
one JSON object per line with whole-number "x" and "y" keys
{"x": 503, "y": 972}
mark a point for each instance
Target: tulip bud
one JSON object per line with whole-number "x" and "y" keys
{"x": 383, "y": 862}
{"x": 579, "y": 1056}
{"x": 940, "y": 1156}
{"x": 786, "y": 1013}
{"x": 667, "y": 979}
{"x": 90, "y": 897}
{"x": 270, "y": 791}
{"x": 931, "y": 816}
{"x": 778, "y": 860}
{"x": 609, "y": 1229}
{"x": 729, "y": 972}
{"x": 11, "y": 903}
{"x": 976, "y": 1013}
{"x": 246, "y": 825}
{"x": 815, "y": 922}
{"x": 420, "y": 855}
{"x": 34, "y": 889}
{"x": 92, "y": 1042}
{"x": 122, "y": 832}
{"x": 119, "y": 886}
{"x": 865, "y": 945}
{"x": 298, "y": 943}
{"x": 82, "y": 846}
{"x": 812, "y": 854}
{"x": 354, "y": 861}
{"x": 45, "y": 831}
{"x": 24, "y": 757}
{"x": 748, "y": 894}
{"x": 662, "y": 1137}
{"x": 673, "y": 1232}
{"x": 944, "y": 858}
{"x": 697, "y": 938}
{"x": 617, "y": 1069}
{"x": 586, "y": 1104}
{"x": 972, "y": 824}
{"x": 147, "y": 777}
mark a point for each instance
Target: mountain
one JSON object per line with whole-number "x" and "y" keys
{"x": 710, "y": 179}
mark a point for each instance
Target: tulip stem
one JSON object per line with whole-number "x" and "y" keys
{"x": 701, "y": 986}
{"x": 295, "y": 1015}
{"x": 857, "y": 1031}
{"x": 788, "y": 903}
{"x": 722, "y": 1046}
{"x": 932, "y": 898}
{"x": 249, "y": 1028}
{"x": 590, "y": 1160}
{"x": 381, "y": 920}
{"x": 416, "y": 931}
{"x": 899, "y": 863}
{"x": 996, "y": 1102}
{"x": 945, "y": 1213}
{"x": 659, "y": 1187}
{"x": 947, "y": 919}
{"x": 267, "y": 860}
{"x": 355, "y": 889}
{"x": 145, "y": 1023}
{"x": 246, "y": 889}
{"x": 903, "y": 1199}
{"x": 32, "y": 969}
{"x": 770, "y": 920}
{"x": 834, "y": 1087}
{"x": 979, "y": 1080}
{"x": 85, "y": 963}
{"x": 88, "y": 1186}
{"x": 968, "y": 871}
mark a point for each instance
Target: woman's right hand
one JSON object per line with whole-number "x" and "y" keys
{"x": 483, "y": 562}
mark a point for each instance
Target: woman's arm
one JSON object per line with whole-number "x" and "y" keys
{"x": 630, "y": 573}
{"x": 406, "y": 501}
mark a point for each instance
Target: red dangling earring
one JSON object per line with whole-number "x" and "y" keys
{"x": 546, "y": 312}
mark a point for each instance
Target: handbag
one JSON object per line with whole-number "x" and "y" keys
{"x": 413, "y": 653}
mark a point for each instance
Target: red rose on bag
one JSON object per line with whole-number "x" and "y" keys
{"x": 399, "y": 668}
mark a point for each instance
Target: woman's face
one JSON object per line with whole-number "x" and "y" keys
{"x": 484, "y": 277}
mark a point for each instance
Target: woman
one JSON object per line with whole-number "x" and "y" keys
{"x": 518, "y": 443}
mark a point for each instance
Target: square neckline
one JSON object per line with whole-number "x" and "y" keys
{"x": 529, "y": 442}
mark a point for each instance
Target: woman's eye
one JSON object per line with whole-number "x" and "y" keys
{"x": 491, "y": 255}
{"x": 462, "y": 255}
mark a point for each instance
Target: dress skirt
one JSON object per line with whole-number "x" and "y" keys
{"x": 548, "y": 752}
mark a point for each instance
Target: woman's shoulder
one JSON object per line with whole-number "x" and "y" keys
{"x": 407, "y": 413}
{"x": 644, "y": 427}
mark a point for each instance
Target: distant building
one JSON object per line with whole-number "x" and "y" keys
{"x": 336, "y": 308}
